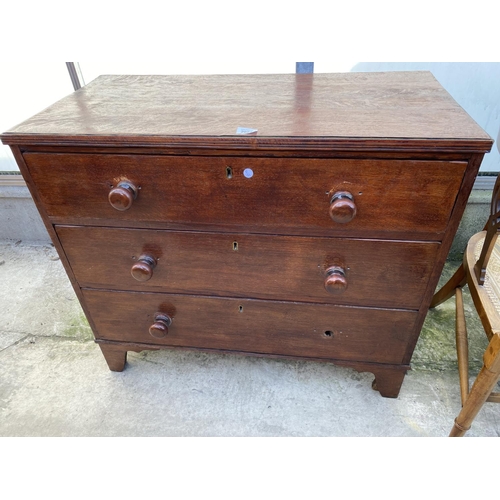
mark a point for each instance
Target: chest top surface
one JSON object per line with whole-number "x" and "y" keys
{"x": 403, "y": 110}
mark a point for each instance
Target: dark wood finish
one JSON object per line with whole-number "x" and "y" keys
{"x": 380, "y": 153}
{"x": 335, "y": 281}
{"x": 388, "y": 381}
{"x": 342, "y": 231}
{"x": 342, "y": 207}
{"x": 115, "y": 353}
{"x": 159, "y": 329}
{"x": 392, "y": 110}
{"x": 142, "y": 270}
{"x": 122, "y": 196}
{"x": 276, "y": 146}
{"x": 160, "y": 154}
{"x": 410, "y": 197}
{"x": 288, "y": 328}
{"x": 115, "y": 356}
{"x": 379, "y": 273}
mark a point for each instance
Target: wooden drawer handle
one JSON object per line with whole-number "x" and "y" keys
{"x": 142, "y": 270}
{"x": 159, "y": 328}
{"x": 122, "y": 196}
{"x": 335, "y": 281}
{"x": 342, "y": 207}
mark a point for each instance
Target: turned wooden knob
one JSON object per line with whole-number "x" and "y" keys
{"x": 342, "y": 207}
{"x": 122, "y": 196}
{"x": 142, "y": 270}
{"x": 335, "y": 281}
{"x": 159, "y": 328}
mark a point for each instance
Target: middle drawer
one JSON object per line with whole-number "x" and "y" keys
{"x": 375, "y": 273}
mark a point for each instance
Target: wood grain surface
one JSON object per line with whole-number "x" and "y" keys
{"x": 298, "y": 109}
{"x": 288, "y": 328}
{"x": 232, "y": 235}
{"x": 283, "y": 195}
{"x": 379, "y": 273}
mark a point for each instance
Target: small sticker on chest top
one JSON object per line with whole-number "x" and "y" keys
{"x": 246, "y": 131}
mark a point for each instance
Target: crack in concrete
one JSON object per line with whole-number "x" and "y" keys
{"x": 26, "y": 336}
{"x": 14, "y": 343}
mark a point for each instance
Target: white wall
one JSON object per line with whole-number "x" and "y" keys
{"x": 26, "y": 89}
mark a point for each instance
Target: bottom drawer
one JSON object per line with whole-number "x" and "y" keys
{"x": 257, "y": 326}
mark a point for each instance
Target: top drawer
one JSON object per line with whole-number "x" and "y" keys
{"x": 390, "y": 198}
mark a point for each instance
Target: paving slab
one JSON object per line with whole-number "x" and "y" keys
{"x": 56, "y": 387}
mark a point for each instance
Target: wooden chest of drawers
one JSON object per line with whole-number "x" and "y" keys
{"x": 321, "y": 235}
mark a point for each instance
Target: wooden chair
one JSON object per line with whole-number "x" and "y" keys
{"x": 481, "y": 272}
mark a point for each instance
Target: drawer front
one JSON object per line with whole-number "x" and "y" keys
{"x": 389, "y": 198}
{"x": 287, "y": 328}
{"x": 376, "y": 273}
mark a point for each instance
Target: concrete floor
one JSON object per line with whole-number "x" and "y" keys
{"x": 55, "y": 382}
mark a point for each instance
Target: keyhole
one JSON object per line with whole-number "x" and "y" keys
{"x": 240, "y": 309}
{"x": 235, "y": 246}
{"x": 229, "y": 172}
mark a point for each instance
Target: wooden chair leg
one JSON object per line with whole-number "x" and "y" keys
{"x": 462, "y": 346}
{"x": 458, "y": 280}
{"x": 115, "y": 356}
{"x": 483, "y": 386}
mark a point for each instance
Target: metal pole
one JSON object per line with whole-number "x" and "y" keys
{"x": 75, "y": 74}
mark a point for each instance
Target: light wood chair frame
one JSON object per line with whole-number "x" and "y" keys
{"x": 473, "y": 274}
